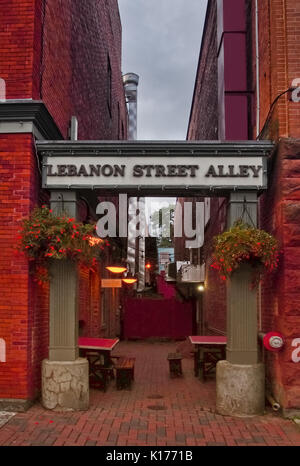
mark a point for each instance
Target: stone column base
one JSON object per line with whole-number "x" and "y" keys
{"x": 240, "y": 389}
{"x": 65, "y": 385}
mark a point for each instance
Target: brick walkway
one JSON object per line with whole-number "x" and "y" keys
{"x": 157, "y": 411}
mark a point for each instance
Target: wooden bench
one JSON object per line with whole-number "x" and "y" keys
{"x": 124, "y": 372}
{"x": 175, "y": 364}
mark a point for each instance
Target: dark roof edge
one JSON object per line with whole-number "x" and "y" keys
{"x": 34, "y": 111}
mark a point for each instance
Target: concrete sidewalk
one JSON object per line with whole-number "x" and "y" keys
{"x": 157, "y": 411}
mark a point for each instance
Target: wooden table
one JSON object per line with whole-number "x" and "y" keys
{"x": 98, "y": 353}
{"x": 209, "y": 350}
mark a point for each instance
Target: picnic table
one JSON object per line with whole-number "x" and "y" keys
{"x": 209, "y": 349}
{"x": 98, "y": 353}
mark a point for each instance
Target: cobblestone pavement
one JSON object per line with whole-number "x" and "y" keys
{"x": 157, "y": 411}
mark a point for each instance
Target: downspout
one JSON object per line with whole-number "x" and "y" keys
{"x": 268, "y": 394}
{"x": 257, "y": 72}
{"x": 257, "y": 129}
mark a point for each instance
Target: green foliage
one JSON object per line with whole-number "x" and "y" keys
{"x": 162, "y": 228}
{"x": 244, "y": 244}
{"x": 45, "y": 237}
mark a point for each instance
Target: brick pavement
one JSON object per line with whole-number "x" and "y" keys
{"x": 157, "y": 411}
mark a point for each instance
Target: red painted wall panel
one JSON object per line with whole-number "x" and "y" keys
{"x": 149, "y": 318}
{"x": 235, "y": 57}
{"x": 236, "y": 114}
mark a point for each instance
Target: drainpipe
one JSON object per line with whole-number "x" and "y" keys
{"x": 257, "y": 128}
{"x": 274, "y": 404}
{"x": 257, "y": 71}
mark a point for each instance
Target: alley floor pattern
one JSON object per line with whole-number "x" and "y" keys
{"x": 157, "y": 411}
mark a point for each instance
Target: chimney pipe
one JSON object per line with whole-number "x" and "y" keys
{"x": 131, "y": 81}
{"x": 136, "y": 249}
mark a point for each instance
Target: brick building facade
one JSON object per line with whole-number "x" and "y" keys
{"x": 58, "y": 59}
{"x": 244, "y": 40}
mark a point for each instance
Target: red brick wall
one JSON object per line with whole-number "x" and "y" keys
{"x": 23, "y": 305}
{"x": 56, "y": 52}
{"x": 16, "y": 37}
{"x": 78, "y": 39}
{"x": 204, "y": 125}
{"x": 214, "y": 297}
{"x": 279, "y": 26}
{"x": 90, "y": 302}
{"x": 280, "y": 213}
{"x": 206, "y": 128}
{"x": 279, "y": 207}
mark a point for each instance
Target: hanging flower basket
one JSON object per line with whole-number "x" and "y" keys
{"x": 244, "y": 244}
{"x": 46, "y": 237}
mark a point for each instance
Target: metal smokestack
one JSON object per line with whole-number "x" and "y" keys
{"x": 136, "y": 248}
{"x": 131, "y": 81}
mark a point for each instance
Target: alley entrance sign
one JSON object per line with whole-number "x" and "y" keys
{"x": 155, "y": 168}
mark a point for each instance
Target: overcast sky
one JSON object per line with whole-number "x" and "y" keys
{"x": 161, "y": 43}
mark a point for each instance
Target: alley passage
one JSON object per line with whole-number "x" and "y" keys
{"x": 156, "y": 411}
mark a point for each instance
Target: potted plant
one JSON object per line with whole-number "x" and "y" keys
{"x": 46, "y": 237}
{"x": 245, "y": 244}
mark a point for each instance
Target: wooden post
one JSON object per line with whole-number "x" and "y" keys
{"x": 242, "y": 346}
{"x": 65, "y": 376}
{"x": 63, "y": 312}
{"x": 63, "y": 292}
{"x": 240, "y": 380}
